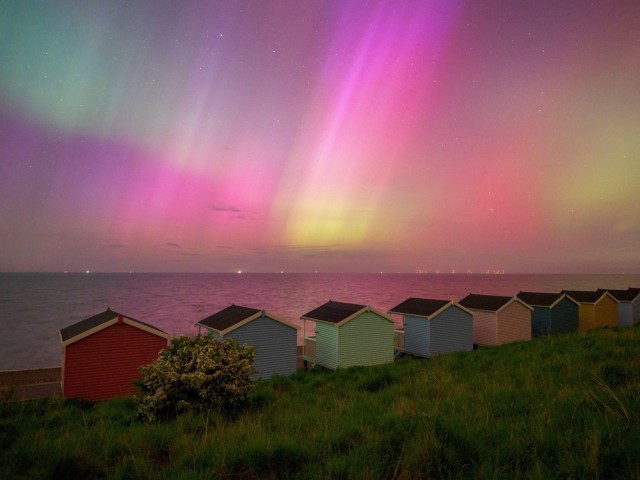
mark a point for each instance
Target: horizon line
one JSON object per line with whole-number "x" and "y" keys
{"x": 316, "y": 272}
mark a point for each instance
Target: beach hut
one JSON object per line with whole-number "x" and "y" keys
{"x": 348, "y": 334}
{"x": 274, "y": 339}
{"x": 628, "y": 306}
{"x": 432, "y": 327}
{"x": 553, "y": 313}
{"x": 635, "y": 305}
{"x": 498, "y": 319}
{"x": 101, "y": 355}
{"x": 597, "y": 308}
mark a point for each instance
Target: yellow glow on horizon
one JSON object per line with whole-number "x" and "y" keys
{"x": 328, "y": 232}
{"x": 313, "y": 227}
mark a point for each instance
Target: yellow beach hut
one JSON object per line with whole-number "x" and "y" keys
{"x": 596, "y": 308}
{"x": 628, "y": 306}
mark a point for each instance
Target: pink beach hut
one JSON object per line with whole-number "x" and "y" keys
{"x": 498, "y": 319}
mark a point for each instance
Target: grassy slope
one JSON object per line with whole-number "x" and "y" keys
{"x": 558, "y": 407}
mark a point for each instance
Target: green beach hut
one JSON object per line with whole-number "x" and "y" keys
{"x": 553, "y": 313}
{"x": 347, "y": 335}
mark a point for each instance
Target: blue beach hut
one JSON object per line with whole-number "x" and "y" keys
{"x": 553, "y": 313}
{"x": 274, "y": 339}
{"x": 628, "y": 306}
{"x": 433, "y": 327}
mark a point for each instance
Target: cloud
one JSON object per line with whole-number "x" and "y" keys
{"x": 115, "y": 245}
{"x": 224, "y": 208}
{"x": 326, "y": 252}
{"x": 227, "y": 247}
{"x": 175, "y": 245}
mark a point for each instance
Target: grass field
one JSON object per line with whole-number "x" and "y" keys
{"x": 561, "y": 407}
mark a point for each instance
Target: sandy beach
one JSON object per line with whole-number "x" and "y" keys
{"x": 20, "y": 385}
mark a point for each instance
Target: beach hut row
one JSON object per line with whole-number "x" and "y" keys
{"x": 101, "y": 355}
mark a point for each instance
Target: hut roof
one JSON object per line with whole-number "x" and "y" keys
{"x": 335, "y": 312}
{"x": 628, "y": 295}
{"x": 94, "y": 324}
{"x": 234, "y": 316}
{"x": 339, "y": 313}
{"x": 228, "y": 317}
{"x": 540, "y": 299}
{"x": 424, "y": 307}
{"x": 490, "y": 303}
{"x": 585, "y": 296}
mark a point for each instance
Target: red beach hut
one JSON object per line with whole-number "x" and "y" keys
{"x": 101, "y": 355}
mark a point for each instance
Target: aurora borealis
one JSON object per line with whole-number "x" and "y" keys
{"x": 320, "y": 136}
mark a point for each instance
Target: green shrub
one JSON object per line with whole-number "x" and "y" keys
{"x": 195, "y": 374}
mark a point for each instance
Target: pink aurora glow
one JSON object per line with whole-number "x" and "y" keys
{"x": 320, "y": 136}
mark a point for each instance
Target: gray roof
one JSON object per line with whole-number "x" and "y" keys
{"x": 228, "y": 317}
{"x": 333, "y": 312}
{"x": 585, "y": 296}
{"x": 628, "y": 295}
{"x": 539, "y": 299}
{"x": 93, "y": 322}
{"x": 491, "y": 303}
{"x": 423, "y": 307}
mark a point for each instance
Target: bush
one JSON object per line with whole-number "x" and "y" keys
{"x": 194, "y": 374}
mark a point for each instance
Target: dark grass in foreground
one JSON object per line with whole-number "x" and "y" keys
{"x": 563, "y": 407}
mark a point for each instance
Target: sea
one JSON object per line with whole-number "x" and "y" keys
{"x": 35, "y": 306}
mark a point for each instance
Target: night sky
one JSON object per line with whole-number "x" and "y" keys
{"x": 320, "y": 136}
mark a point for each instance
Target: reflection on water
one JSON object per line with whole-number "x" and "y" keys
{"x": 33, "y": 307}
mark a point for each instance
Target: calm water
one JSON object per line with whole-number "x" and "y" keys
{"x": 33, "y": 307}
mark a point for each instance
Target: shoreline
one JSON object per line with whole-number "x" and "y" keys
{"x": 14, "y": 378}
{"x": 32, "y": 384}
{"x": 38, "y": 383}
